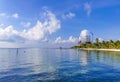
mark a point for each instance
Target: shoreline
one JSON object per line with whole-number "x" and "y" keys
{"x": 95, "y": 49}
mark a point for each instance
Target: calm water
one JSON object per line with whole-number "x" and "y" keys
{"x": 63, "y": 65}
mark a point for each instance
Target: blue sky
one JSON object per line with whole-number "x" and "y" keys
{"x": 58, "y": 21}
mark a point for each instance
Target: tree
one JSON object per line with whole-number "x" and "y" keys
{"x": 104, "y": 44}
{"x": 97, "y": 40}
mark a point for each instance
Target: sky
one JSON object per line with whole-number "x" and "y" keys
{"x": 55, "y": 23}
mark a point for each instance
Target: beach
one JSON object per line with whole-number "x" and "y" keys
{"x": 117, "y": 50}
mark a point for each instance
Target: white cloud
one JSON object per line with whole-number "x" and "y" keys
{"x": 15, "y": 15}
{"x": 88, "y": 8}
{"x": 70, "y": 15}
{"x": 26, "y": 24}
{"x": 83, "y": 34}
{"x": 58, "y": 39}
{"x": 65, "y": 43}
{"x": 8, "y": 33}
{"x": 52, "y": 24}
{"x": 39, "y": 32}
{"x": 42, "y": 30}
{"x": 2, "y": 14}
{"x": 1, "y": 25}
{"x": 71, "y": 39}
{"x": 100, "y": 39}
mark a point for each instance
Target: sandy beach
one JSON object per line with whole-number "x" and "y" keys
{"x": 117, "y": 50}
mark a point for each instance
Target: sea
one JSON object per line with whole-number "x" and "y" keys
{"x": 58, "y": 65}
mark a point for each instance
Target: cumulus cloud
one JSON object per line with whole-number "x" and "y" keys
{"x": 71, "y": 39}
{"x": 15, "y": 15}
{"x": 66, "y": 43}
{"x": 70, "y": 15}
{"x": 88, "y": 8}
{"x": 9, "y": 34}
{"x": 26, "y": 24}
{"x": 83, "y": 34}
{"x": 38, "y": 32}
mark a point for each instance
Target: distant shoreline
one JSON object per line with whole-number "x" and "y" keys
{"x": 95, "y": 49}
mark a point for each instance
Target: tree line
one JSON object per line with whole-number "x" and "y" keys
{"x": 100, "y": 44}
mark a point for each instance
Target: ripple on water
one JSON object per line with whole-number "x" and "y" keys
{"x": 58, "y": 65}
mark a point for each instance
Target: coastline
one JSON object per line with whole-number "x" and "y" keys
{"x": 95, "y": 49}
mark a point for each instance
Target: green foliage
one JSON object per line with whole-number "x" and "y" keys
{"x": 104, "y": 44}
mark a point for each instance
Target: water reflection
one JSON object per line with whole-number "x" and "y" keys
{"x": 109, "y": 58}
{"x": 103, "y": 57}
{"x": 83, "y": 58}
{"x": 54, "y": 64}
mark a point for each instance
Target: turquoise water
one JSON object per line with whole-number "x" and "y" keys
{"x": 58, "y": 65}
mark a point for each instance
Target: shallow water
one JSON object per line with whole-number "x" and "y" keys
{"x": 66, "y": 65}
